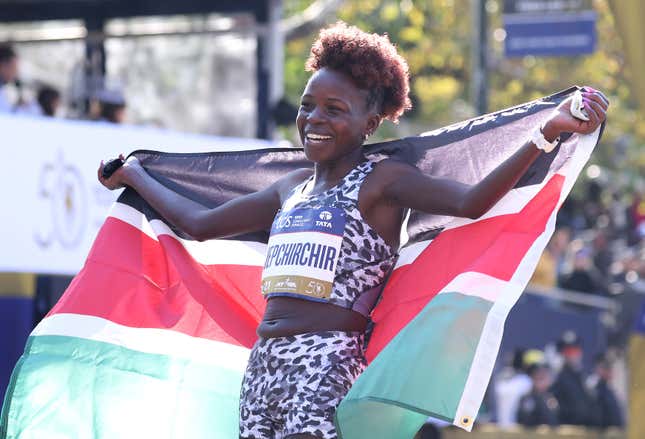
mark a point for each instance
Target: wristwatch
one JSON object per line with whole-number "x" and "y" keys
{"x": 537, "y": 138}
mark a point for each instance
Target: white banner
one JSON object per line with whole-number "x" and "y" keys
{"x": 52, "y": 202}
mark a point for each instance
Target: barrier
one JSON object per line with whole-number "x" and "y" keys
{"x": 562, "y": 432}
{"x": 53, "y": 204}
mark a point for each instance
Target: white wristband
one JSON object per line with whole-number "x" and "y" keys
{"x": 577, "y": 107}
{"x": 537, "y": 138}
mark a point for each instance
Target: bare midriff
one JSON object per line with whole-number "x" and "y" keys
{"x": 290, "y": 316}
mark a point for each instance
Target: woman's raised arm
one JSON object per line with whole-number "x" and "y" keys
{"x": 241, "y": 215}
{"x": 408, "y": 187}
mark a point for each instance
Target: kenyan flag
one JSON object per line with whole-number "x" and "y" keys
{"x": 152, "y": 337}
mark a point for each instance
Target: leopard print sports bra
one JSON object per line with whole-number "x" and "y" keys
{"x": 321, "y": 248}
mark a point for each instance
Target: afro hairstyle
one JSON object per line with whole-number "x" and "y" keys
{"x": 370, "y": 60}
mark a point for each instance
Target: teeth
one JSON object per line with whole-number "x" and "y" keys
{"x": 317, "y": 137}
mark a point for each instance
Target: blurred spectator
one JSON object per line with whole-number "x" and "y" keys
{"x": 111, "y": 106}
{"x": 584, "y": 276}
{"x": 8, "y": 76}
{"x": 576, "y": 404}
{"x": 617, "y": 212}
{"x": 560, "y": 241}
{"x": 608, "y": 411}
{"x": 510, "y": 384}
{"x": 539, "y": 406}
{"x": 550, "y": 264}
{"x": 592, "y": 206}
{"x": 428, "y": 431}
{"x": 545, "y": 274}
{"x": 48, "y": 100}
{"x": 603, "y": 256}
{"x": 11, "y": 89}
{"x": 637, "y": 217}
{"x": 571, "y": 215}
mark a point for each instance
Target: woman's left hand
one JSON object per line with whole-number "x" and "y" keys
{"x": 562, "y": 121}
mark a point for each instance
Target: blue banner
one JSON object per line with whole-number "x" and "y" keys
{"x": 563, "y": 34}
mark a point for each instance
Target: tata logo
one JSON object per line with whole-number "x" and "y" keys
{"x": 325, "y": 215}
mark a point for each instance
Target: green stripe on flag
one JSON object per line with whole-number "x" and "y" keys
{"x": 387, "y": 406}
{"x": 68, "y": 387}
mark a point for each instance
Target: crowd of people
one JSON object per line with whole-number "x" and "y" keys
{"x": 597, "y": 250}
{"x": 106, "y": 105}
{"x": 532, "y": 391}
{"x": 597, "y": 247}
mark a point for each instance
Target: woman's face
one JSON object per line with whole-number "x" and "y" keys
{"x": 333, "y": 117}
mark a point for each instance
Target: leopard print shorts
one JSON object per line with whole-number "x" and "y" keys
{"x": 294, "y": 384}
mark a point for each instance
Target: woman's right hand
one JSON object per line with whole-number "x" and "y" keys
{"x": 120, "y": 177}
{"x": 562, "y": 121}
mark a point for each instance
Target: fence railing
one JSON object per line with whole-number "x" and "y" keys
{"x": 574, "y": 297}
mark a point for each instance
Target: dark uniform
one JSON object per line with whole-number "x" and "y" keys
{"x": 538, "y": 409}
{"x": 576, "y": 405}
{"x": 608, "y": 411}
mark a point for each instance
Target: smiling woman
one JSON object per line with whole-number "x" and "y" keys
{"x": 335, "y": 231}
{"x": 335, "y": 116}
{"x": 359, "y": 80}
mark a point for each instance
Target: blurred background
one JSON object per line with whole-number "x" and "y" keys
{"x": 82, "y": 80}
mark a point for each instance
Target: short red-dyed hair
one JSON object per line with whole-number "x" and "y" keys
{"x": 371, "y": 60}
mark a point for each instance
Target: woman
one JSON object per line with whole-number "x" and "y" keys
{"x": 321, "y": 287}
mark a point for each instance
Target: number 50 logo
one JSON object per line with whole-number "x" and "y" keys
{"x": 61, "y": 188}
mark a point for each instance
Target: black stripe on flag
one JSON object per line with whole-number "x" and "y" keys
{"x": 214, "y": 178}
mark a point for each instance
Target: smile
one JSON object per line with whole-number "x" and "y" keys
{"x": 317, "y": 137}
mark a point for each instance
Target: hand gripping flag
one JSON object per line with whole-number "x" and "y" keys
{"x": 152, "y": 336}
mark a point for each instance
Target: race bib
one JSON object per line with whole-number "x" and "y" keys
{"x": 302, "y": 253}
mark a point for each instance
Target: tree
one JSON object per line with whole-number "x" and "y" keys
{"x": 435, "y": 38}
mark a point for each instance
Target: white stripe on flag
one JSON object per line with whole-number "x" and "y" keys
{"x": 481, "y": 368}
{"x": 132, "y": 216}
{"x": 472, "y": 283}
{"x": 149, "y": 340}
{"x": 407, "y": 255}
{"x": 213, "y": 252}
{"x": 513, "y": 202}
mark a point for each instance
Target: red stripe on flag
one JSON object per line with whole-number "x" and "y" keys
{"x": 493, "y": 246}
{"x": 133, "y": 280}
